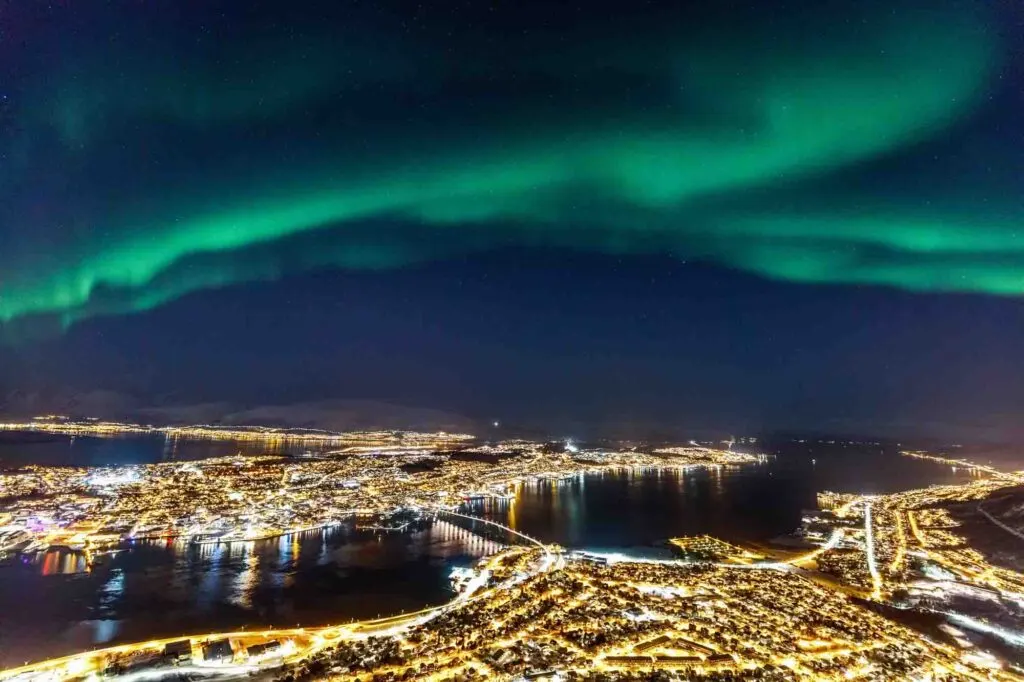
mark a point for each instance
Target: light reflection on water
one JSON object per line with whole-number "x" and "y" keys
{"x": 161, "y": 588}
{"x": 58, "y": 562}
{"x": 19, "y": 448}
{"x": 167, "y": 587}
{"x": 756, "y": 502}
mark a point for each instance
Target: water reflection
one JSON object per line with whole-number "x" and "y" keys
{"x": 59, "y": 450}
{"x": 644, "y": 507}
{"x": 245, "y": 582}
{"x": 162, "y": 588}
{"x": 61, "y": 562}
{"x": 111, "y": 592}
{"x": 105, "y": 630}
{"x": 166, "y": 587}
{"x": 457, "y": 541}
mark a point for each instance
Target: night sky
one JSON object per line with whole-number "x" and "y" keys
{"x": 598, "y": 216}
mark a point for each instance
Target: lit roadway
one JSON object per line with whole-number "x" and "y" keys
{"x": 869, "y": 544}
{"x": 300, "y": 643}
{"x": 307, "y": 641}
{"x": 786, "y": 565}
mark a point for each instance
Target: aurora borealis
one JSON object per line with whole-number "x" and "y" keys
{"x": 149, "y": 153}
{"x": 611, "y": 217}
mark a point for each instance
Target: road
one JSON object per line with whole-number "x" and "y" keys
{"x": 869, "y": 546}
{"x": 306, "y": 641}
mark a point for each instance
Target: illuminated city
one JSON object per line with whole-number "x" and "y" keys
{"x": 522, "y": 340}
{"x": 884, "y": 588}
{"x": 249, "y": 498}
{"x": 376, "y": 440}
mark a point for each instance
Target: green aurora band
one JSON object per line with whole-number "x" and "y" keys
{"x": 744, "y": 128}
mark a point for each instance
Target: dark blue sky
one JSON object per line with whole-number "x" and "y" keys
{"x": 608, "y": 217}
{"x": 569, "y": 341}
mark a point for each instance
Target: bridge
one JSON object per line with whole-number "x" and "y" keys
{"x": 472, "y": 543}
{"x": 532, "y": 540}
{"x": 306, "y": 641}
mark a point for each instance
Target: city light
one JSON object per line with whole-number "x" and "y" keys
{"x": 530, "y": 607}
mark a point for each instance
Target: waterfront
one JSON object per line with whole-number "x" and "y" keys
{"x": 157, "y": 589}
{"x": 749, "y": 503}
{"x": 18, "y": 448}
{"x": 153, "y": 589}
{"x": 122, "y": 446}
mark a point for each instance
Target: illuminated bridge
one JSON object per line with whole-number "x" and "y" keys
{"x": 471, "y": 542}
{"x": 476, "y": 519}
{"x": 301, "y": 642}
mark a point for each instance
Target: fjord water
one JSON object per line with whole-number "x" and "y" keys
{"x": 52, "y": 605}
{"x": 19, "y": 448}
